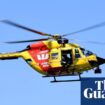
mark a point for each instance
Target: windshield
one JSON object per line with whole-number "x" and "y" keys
{"x": 86, "y": 52}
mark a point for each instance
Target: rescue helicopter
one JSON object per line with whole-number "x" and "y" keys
{"x": 55, "y": 56}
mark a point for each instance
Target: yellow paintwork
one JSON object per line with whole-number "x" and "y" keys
{"x": 57, "y": 61}
{"x": 79, "y": 64}
{"x": 10, "y": 55}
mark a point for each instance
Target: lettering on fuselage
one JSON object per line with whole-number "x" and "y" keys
{"x": 42, "y": 56}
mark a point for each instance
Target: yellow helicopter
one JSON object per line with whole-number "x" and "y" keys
{"x": 55, "y": 56}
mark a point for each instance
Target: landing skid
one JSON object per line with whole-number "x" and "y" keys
{"x": 55, "y": 80}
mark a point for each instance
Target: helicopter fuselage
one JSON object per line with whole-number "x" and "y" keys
{"x": 51, "y": 58}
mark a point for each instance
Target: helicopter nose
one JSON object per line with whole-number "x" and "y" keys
{"x": 100, "y": 60}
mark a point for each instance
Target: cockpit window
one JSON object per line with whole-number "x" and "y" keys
{"x": 86, "y": 52}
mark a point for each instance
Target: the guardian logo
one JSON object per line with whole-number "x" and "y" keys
{"x": 98, "y": 93}
{"x": 93, "y": 91}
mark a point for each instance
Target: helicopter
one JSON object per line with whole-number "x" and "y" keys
{"x": 55, "y": 56}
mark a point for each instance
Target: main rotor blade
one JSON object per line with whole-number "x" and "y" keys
{"x": 24, "y": 27}
{"x": 86, "y": 29}
{"x": 89, "y": 42}
{"x": 25, "y": 41}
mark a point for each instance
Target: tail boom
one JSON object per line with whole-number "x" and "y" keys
{"x": 8, "y": 56}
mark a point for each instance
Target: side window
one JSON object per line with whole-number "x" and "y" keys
{"x": 77, "y": 54}
{"x": 54, "y": 56}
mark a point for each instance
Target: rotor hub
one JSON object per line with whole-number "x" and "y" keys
{"x": 63, "y": 41}
{"x": 56, "y": 36}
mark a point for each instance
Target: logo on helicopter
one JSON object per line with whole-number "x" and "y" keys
{"x": 42, "y": 56}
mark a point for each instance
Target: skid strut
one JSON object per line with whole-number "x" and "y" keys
{"x": 55, "y": 80}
